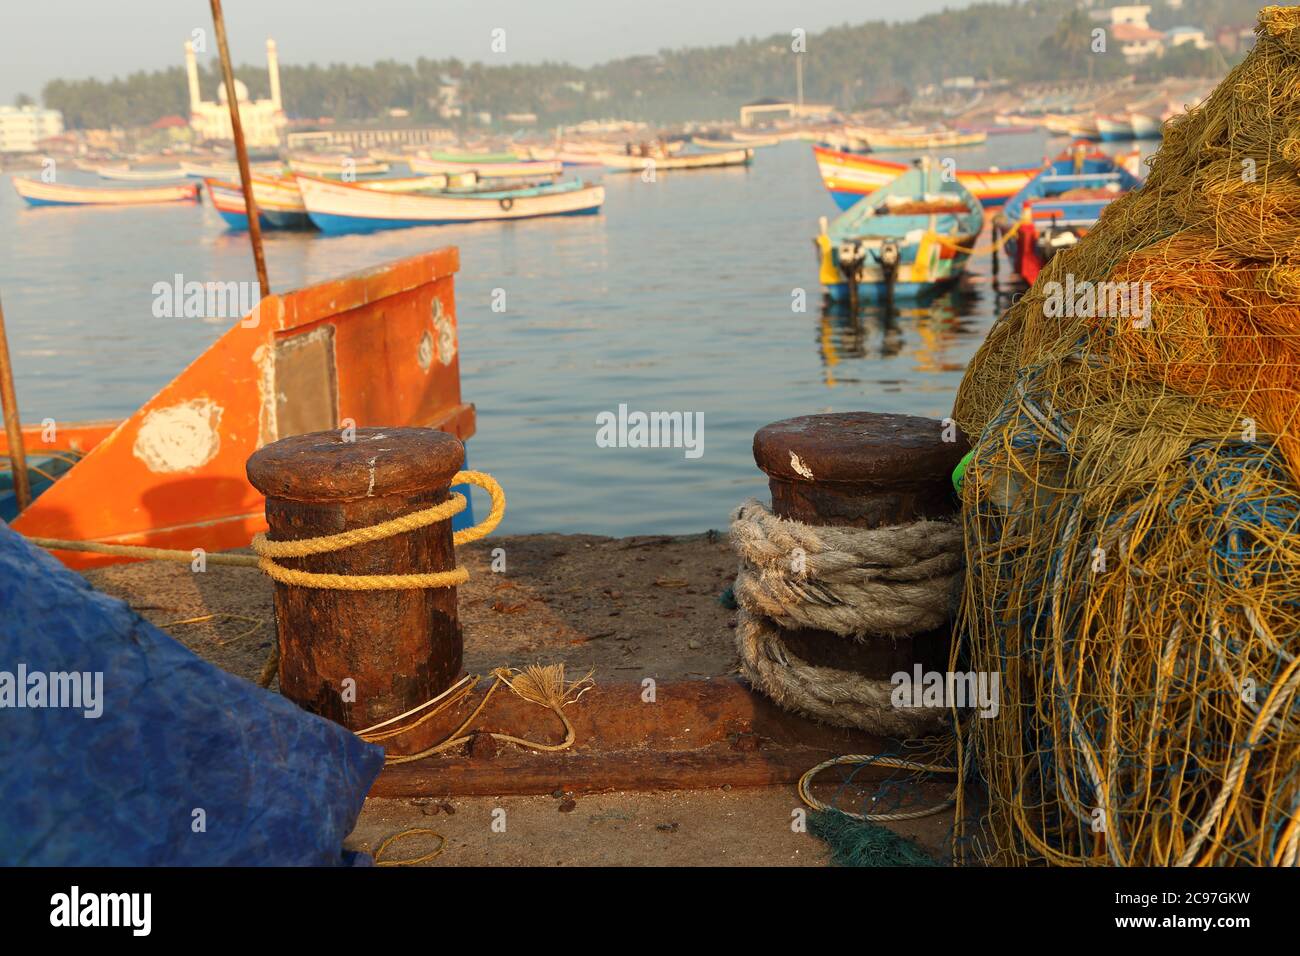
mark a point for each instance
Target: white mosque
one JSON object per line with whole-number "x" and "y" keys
{"x": 263, "y": 120}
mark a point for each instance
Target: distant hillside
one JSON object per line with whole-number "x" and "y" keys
{"x": 849, "y": 66}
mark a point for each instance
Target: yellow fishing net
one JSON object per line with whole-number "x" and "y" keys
{"x": 1132, "y": 509}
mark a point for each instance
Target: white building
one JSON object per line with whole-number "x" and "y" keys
{"x": 1132, "y": 15}
{"x": 1179, "y": 36}
{"x": 1137, "y": 43}
{"x": 263, "y": 120}
{"x": 23, "y": 127}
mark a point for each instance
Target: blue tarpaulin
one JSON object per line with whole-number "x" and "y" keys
{"x": 152, "y": 756}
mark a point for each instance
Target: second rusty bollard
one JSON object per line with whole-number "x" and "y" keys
{"x": 862, "y": 470}
{"x": 362, "y": 657}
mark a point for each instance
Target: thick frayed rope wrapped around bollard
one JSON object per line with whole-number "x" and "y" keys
{"x": 856, "y": 582}
{"x": 864, "y": 584}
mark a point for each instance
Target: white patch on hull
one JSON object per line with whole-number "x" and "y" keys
{"x": 180, "y": 437}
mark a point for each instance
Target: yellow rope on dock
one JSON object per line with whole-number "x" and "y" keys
{"x": 546, "y": 686}
{"x": 414, "y": 861}
{"x": 268, "y": 550}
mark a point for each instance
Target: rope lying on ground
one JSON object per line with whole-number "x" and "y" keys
{"x": 860, "y": 583}
{"x": 268, "y": 550}
{"x": 875, "y": 760}
{"x": 543, "y": 685}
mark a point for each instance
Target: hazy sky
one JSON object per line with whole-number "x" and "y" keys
{"x": 45, "y": 39}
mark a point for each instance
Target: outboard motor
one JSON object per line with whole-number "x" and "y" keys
{"x": 850, "y": 257}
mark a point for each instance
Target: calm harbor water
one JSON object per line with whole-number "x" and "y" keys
{"x": 679, "y": 296}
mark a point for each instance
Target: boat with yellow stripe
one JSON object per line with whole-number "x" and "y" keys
{"x": 850, "y": 176}
{"x": 279, "y": 203}
{"x": 907, "y": 240}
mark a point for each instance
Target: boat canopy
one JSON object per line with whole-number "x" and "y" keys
{"x": 955, "y": 210}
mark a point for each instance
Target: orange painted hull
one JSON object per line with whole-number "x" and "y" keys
{"x": 374, "y": 348}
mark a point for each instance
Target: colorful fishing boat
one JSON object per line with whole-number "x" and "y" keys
{"x": 39, "y": 193}
{"x": 494, "y": 169}
{"x": 633, "y": 163}
{"x": 125, "y": 174}
{"x": 336, "y": 166}
{"x": 849, "y": 177}
{"x": 907, "y": 240}
{"x": 172, "y": 475}
{"x": 279, "y": 204}
{"x": 1058, "y": 207}
{"x": 350, "y": 207}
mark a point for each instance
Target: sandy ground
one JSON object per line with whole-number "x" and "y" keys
{"x": 647, "y": 605}
{"x": 627, "y": 607}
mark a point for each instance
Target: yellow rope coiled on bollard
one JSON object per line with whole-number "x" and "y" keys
{"x": 268, "y": 551}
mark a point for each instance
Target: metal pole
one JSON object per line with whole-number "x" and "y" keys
{"x": 241, "y": 151}
{"x": 14, "y": 430}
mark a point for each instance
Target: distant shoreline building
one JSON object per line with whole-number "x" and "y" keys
{"x": 263, "y": 120}
{"x": 770, "y": 109}
{"x": 22, "y": 128}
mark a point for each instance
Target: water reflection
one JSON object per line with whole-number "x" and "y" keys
{"x": 934, "y": 337}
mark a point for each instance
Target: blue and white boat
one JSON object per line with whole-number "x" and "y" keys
{"x": 349, "y": 207}
{"x": 907, "y": 240}
{"x": 1058, "y": 206}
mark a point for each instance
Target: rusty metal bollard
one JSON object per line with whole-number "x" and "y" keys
{"x": 864, "y": 470}
{"x": 399, "y": 647}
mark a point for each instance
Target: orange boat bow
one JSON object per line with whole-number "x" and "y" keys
{"x": 375, "y": 348}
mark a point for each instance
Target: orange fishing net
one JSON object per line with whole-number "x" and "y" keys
{"x": 1132, "y": 509}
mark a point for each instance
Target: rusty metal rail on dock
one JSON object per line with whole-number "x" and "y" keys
{"x": 694, "y": 734}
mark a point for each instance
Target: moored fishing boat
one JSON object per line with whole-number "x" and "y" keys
{"x": 907, "y": 240}
{"x": 493, "y": 169}
{"x": 227, "y": 170}
{"x": 629, "y": 162}
{"x": 1083, "y": 128}
{"x": 469, "y": 156}
{"x": 173, "y": 474}
{"x": 336, "y": 166}
{"x": 849, "y": 177}
{"x": 278, "y": 201}
{"x": 39, "y": 193}
{"x": 124, "y": 174}
{"x": 880, "y": 140}
{"x": 704, "y": 142}
{"x": 1144, "y": 126}
{"x": 280, "y": 204}
{"x": 350, "y": 207}
{"x": 755, "y": 141}
{"x": 1057, "y": 208}
{"x": 415, "y": 184}
{"x": 1114, "y": 129}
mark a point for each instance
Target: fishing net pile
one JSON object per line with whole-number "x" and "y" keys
{"x": 1132, "y": 509}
